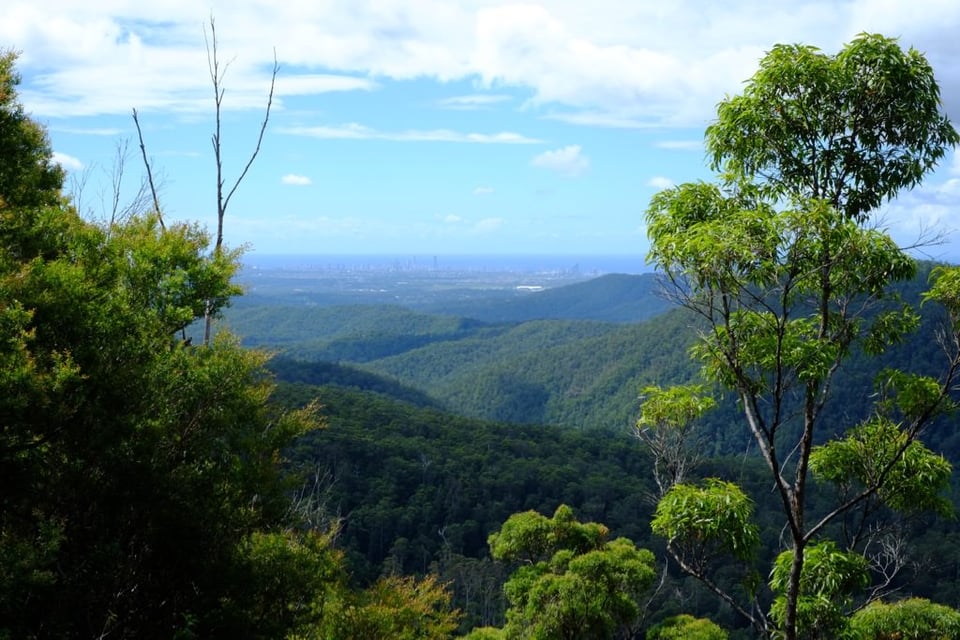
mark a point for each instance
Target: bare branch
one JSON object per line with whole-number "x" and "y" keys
{"x": 263, "y": 129}
{"x": 146, "y": 163}
{"x": 216, "y": 78}
{"x": 758, "y": 622}
{"x": 78, "y": 186}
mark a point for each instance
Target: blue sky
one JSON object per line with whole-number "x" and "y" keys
{"x": 433, "y": 127}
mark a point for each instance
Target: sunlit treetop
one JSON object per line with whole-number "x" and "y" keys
{"x": 853, "y": 129}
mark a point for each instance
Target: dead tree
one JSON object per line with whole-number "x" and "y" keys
{"x": 216, "y": 77}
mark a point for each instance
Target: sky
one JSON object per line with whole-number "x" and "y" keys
{"x": 433, "y": 127}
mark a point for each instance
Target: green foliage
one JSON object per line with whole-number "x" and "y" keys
{"x": 581, "y": 374}
{"x": 531, "y": 537}
{"x": 708, "y": 520}
{"x": 686, "y": 627}
{"x": 485, "y": 633}
{"x": 394, "y": 608}
{"x": 674, "y": 407}
{"x": 916, "y": 398}
{"x": 910, "y": 619}
{"x": 400, "y": 474}
{"x": 889, "y": 328}
{"x": 910, "y": 477}
{"x": 828, "y": 580}
{"x": 28, "y": 176}
{"x": 852, "y": 129}
{"x": 144, "y": 460}
{"x": 667, "y": 425}
{"x": 320, "y": 374}
{"x": 791, "y": 284}
{"x": 288, "y": 577}
{"x": 135, "y": 470}
{"x": 945, "y": 289}
{"x": 573, "y": 582}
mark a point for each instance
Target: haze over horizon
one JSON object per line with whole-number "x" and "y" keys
{"x": 436, "y": 128}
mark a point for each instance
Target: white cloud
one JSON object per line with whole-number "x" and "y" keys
{"x": 482, "y": 191}
{"x": 568, "y": 161}
{"x": 951, "y": 187}
{"x": 600, "y": 119}
{"x": 603, "y": 63}
{"x": 680, "y": 145}
{"x": 68, "y": 162}
{"x": 354, "y": 131}
{"x": 294, "y": 179}
{"x": 473, "y": 101}
{"x": 310, "y": 84}
{"x": 660, "y": 182}
{"x": 452, "y": 219}
{"x": 955, "y": 164}
{"x": 108, "y": 132}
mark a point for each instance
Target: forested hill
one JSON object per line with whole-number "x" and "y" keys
{"x": 420, "y": 490}
{"x": 574, "y": 373}
{"x": 609, "y": 298}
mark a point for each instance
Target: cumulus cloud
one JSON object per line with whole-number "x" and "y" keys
{"x": 482, "y": 191}
{"x": 68, "y": 162}
{"x": 603, "y": 63}
{"x": 452, "y": 218}
{"x": 297, "y": 180}
{"x": 568, "y": 161}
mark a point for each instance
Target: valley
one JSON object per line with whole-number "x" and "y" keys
{"x": 467, "y": 399}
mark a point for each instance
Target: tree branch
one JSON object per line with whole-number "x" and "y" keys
{"x": 146, "y": 163}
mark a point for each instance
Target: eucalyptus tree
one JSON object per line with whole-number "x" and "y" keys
{"x": 782, "y": 264}
{"x": 572, "y": 581}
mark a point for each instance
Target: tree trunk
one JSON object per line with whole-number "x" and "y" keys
{"x": 793, "y": 592}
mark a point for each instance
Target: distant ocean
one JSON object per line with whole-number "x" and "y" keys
{"x": 585, "y": 264}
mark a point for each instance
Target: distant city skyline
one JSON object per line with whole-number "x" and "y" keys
{"x": 435, "y": 127}
{"x": 527, "y": 263}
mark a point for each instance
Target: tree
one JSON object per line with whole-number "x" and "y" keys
{"x": 223, "y": 200}
{"x": 394, "y": 607}
{"x": 829, "y": 580}
{"x": 667, "y": 427}
{"x": 217, "y": 71}
{"x": 852, "y": 129}
{"x": 686, "y": 627}
{"x": 708, "y": 523}
{"x": 910, "y": 619}
{"x": 28, "y": 175}
{"x": 572, "y": 581}
{"x": 135, "y": 469}
{"x": 780, "y": 266}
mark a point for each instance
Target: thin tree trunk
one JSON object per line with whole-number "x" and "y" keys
{"x": 146, "y": 163}
{"x": 216, "y": 77}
